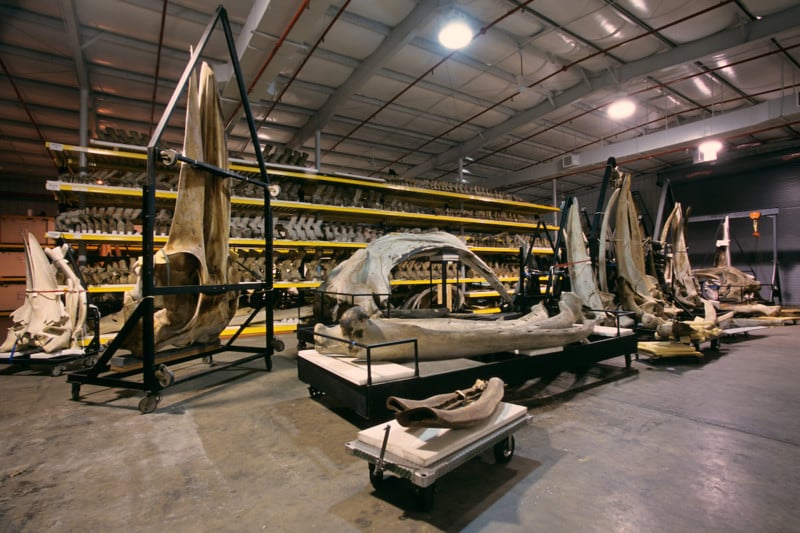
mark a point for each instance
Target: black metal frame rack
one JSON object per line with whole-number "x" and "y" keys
{"x": 157, "y": 377}
{"x": 369, "y": 400}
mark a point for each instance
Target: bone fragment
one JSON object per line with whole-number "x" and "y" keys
{"x": 678, "y": 271}
{"x": 581, "y": 273}
{"x": 75, "y": 298}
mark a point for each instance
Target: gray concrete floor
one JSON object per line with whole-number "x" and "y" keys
{"x": 674, "y": 446}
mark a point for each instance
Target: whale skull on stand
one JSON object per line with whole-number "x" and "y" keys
{"x": 43, "y": 322}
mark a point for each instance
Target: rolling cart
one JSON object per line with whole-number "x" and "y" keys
{"x": 423, "y": 455}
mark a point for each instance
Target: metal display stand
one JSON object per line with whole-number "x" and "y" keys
{"x": 158, "y": 376}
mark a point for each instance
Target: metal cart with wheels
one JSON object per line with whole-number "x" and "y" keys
{"x": 414, "y": 453}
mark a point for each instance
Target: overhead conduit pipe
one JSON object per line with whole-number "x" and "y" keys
{"x": 641, "y": 91}
{"x": 482, "y": 31}
{"x": 297, "y": 72}
{"x": 303, "y": 6}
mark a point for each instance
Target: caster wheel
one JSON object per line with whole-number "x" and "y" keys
{"x": 425, "y": 497}
{"x": 57, "y": 371}
{"x": 316, "y": 393}
{"x": 208, "y": 359}
{"x": 164, "y": 376}
{"x": 375, "y": 476}
{"x": 89, "y": 362}
{"x": 149, "y": 403}
{"x": 76, "y": 392}
{"x": 278, "y": 345}
{"x": 504, "y": 450}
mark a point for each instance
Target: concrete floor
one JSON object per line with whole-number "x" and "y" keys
{"x": 675, "y": 446}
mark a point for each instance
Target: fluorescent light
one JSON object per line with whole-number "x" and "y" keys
{"x": 621, "y": 109}
{"x": 455, "y": 34}
{"x": 708, "y": 150}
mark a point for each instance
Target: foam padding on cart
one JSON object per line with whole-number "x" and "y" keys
{"x": 427, "y": 446}
{"x": 356, "y": 372}
{"x": 60, "y": 353}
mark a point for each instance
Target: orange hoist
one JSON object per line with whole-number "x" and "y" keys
{"x": 754, "y": 216}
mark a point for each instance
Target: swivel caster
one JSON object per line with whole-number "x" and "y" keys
{"x": 278, "y": 345}
{"x": 316, "y": 393}
{"x": 149, "y": 403}
{"x": 504, "y": 450}
{"x": 208, "y": 359}
{"x": 375, "y": 476}
{"x": 57, "y": 371}
{"x": 425, "y": 497}
{"x": 164, "y": 376}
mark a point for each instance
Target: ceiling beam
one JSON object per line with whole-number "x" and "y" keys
{"x": 396, "y": 40}
{"x": 723, "y": 125}
{"x": 750, "y": 32}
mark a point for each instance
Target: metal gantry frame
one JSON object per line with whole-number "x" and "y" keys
{"x": 772, "y": 213}
{"x": 156, "y": 377}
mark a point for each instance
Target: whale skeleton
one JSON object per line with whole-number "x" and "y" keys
{"x": 452, "y": 338}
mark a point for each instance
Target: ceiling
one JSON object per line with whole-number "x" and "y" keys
{"x": 532, "y": 87}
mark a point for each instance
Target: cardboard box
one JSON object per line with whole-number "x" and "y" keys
{"x": 13, "y": 227}
{"x": 12, "y": 295}
{"x": 12, "y": 264}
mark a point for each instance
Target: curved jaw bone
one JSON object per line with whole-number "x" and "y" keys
{"x": 196, "y": 252}
{"x": 367, "y": 271}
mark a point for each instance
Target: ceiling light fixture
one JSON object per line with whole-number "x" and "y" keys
{"x": 455, "y": 34}
{"x": 708, "y": 150}
{"x": 622, "y": 108}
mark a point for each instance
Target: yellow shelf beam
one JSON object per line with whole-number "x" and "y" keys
{"x": 374, "y": 184}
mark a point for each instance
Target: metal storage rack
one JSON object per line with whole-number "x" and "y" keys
{"x": 157, "y": 376}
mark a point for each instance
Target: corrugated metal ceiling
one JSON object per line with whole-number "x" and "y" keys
{"x": 532, "y": 87}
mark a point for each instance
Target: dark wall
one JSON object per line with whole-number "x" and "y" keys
{"x": 745, "y": 187}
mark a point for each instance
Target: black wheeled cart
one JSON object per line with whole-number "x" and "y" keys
{"x": 155, "y": 374}
{"x": 364, "y": 385}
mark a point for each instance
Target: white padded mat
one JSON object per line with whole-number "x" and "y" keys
{"x": 346, "y": 368}
{"x": 426, "y": 446}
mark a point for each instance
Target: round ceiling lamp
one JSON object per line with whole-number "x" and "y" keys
{"x": 456, "y": 34}
{"x": 622, "y": 108}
